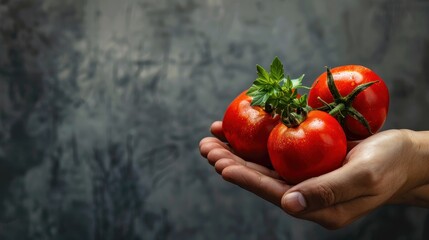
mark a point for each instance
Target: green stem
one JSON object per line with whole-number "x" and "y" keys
{"x": 337, "y": 109}
{"x": 358, "y": 116}
{"x": 342, "y": 107}
{"x": 331, "y": 85}
{"x": 350, "y": 98}
{"x": 277, "y": 94}
{"x": 294, "y": 119}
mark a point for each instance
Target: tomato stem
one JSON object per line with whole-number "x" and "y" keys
{"x": 358, "y": 116}
{"x": 342, "y": 106}
{"x": 337, "y": 109}
{"x": 294, "y": 119}
{"x": 331, "y": 85}
{"x": 277, "y": 94}
{"x": 349, "y": 98}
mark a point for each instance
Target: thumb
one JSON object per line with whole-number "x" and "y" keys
{"x": 340, "y": 185}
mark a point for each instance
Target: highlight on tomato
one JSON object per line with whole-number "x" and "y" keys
{"x": 315, "y": 146}
{"x": 272, "y": 125}
{"x": 355, "y": 95}
{"x": 249, "y": 118}
{"x": 297, "y": 142}
{"x": 247, "y": 128}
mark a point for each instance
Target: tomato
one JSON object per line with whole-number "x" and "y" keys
{"x": 372, "y": 103}
{"x": 247, "y": 129}
{"x": 316, "y": 146}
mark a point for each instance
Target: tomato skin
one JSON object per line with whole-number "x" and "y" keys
{"x": 372, "y": 103}
{"x": 247, "y": 129}
{"x": 317, "y": 146}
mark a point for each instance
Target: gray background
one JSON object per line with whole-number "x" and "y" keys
{"x": 103, "y": 103}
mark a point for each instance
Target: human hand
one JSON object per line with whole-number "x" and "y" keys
{"x": 388, "y": 167}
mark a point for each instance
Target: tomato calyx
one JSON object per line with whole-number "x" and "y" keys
{"x": 294, "y": 119}
{"x": 342, "y": 106}
{"x": 277, "y": 94}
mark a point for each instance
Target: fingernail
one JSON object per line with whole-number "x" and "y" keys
{"x": 294, "y": 202}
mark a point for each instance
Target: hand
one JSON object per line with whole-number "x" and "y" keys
{"x": 389, "y": 167}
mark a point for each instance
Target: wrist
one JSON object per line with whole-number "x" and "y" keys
{"x": 418, "y": 154}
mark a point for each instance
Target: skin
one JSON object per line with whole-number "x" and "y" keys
{"x": 389, "y": 167}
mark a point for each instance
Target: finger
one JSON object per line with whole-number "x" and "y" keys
{"x": 223, "y": 163}
{"x": 221, "y": 153}
{"x": 341, "y": 185}
{"x": 265, "y": 187}
{"x": 209, "y": 143}
{"x": 218, "y": 153}
{"x": 216, "y": 130}
{"x": 342, "y": 214}
{"x": 213, "y": 139}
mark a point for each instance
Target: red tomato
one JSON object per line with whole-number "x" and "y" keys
{"x": 372, "y": 103}
{"x": 317, "y": 146}
{"x": 247, "y": 129}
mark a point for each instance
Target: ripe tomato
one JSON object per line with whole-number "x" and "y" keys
{"x": 372, "y": 103}
{"x": 317, "y": 146}
{"x": 247, "y": 129}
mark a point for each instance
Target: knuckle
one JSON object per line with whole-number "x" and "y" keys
{"x": 326, "y": 195}
{"x": 370, "y": 178}
{"x": 260, "y": 181}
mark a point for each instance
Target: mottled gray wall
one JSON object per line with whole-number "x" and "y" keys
{"x": 103, "y": 102}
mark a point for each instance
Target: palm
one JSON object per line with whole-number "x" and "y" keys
{"x": 374, "y": 173}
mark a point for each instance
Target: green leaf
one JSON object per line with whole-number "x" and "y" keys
{"x": 259, "y": 99}
{"x": 277, "y": 94}
{"x": 288, "y": 83}
{"x": 252, "y": 90}
{"x": 262, "y": 73}
{"x": 276, "y": 70}
{"x": 297, "y": 82}
{"x": 303, "y": 100}
{"x": 261, "y": 82}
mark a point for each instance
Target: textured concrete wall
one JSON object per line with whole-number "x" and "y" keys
{"x": 103, "y": 102}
